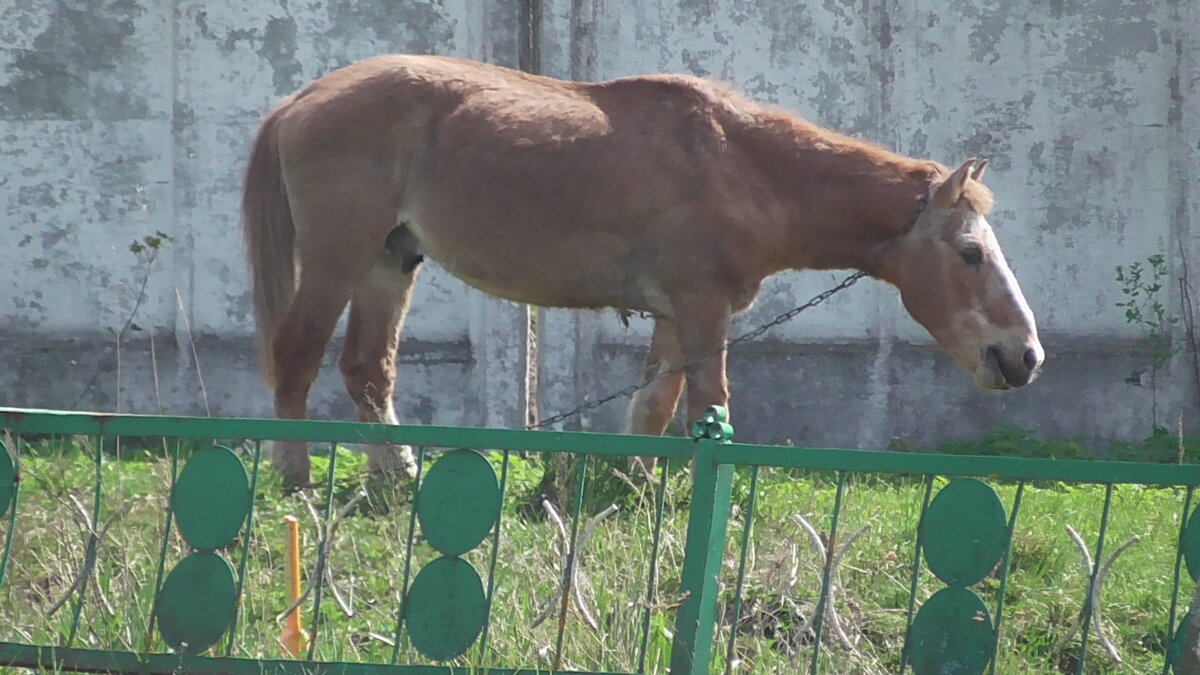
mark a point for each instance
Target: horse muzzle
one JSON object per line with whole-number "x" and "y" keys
{"x": 1000, "y": 370}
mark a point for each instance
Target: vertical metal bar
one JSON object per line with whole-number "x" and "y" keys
{"x": 491, "y": 585}
{"x": 162, "y": 553}
{"x": 319, "y": 581}
{"x": 576, "y": 516}
{"x": 1183, "y": 521}
{"x": 1012, "y": 525}
{"x": 741, "y": 578}
{"x": 916, "y": 574}
{"x": 712, "y": 483}
{"x": 827, "y": 574}
{"x": 12, "y": 515}
{"x": 90, "y": 557}
{"x": 246, "y": 543}
{"x": 1088, "y": 609}
{"x": 408, "y": 547}
{"x": 652, "y": 575}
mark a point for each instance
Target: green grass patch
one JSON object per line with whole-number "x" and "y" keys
{"x": 1045, "y": 589}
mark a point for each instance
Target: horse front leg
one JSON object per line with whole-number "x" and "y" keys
{"x": 703, "y": 328}
{"x": 653, "y": 406}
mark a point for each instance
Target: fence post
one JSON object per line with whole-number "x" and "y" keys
{"x": 691, "y": 649}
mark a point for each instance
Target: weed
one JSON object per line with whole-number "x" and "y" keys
{"x": 1141, "y": 286}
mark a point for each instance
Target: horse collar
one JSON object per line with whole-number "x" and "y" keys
{"x": 868, "y": 270}
{"x": 912, "y": 222}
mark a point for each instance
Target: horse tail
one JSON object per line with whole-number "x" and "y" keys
{"x": 270, "y": 237}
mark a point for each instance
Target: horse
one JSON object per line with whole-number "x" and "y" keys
{"x": 669, "y": 195}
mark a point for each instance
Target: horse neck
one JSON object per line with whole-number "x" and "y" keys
{"x": 843, "y": 198}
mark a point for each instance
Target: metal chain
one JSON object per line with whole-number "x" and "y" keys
{"x": 745, "y": 337}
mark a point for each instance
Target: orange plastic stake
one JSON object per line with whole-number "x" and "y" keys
{"x": 294, "y": 638}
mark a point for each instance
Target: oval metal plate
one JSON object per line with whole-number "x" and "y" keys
{"x": 458, "y": 502}
{"x": 952, "y": 634}
{"x": 964, "y": 532}
{"x": 8, "y": 479}
{"x": 446, "y": 608}
{"x": 196, "y": 603}
{"x": 211, "y": 498}
{"x": 1191, "y": 545}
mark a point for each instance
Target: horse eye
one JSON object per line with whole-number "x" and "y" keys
{"x": 972, "y": 255}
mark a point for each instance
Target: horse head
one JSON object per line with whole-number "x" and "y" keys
{"x": 955, "y": 281}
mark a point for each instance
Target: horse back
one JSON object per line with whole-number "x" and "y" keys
{"x": 497, "y": 171}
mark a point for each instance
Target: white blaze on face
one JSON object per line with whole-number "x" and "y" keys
{"x": 1000, "y": 316}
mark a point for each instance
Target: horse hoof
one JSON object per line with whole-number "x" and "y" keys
{"x": 291, "y": 461}
{"x": 392, "y": 460}
{"x": 643, "y": 468}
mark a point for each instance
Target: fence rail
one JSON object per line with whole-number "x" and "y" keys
{"x": 963, "y": 535}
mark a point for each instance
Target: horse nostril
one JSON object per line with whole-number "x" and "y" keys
{"x": 1031, "y": 358}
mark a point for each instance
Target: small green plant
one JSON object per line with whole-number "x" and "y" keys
{"x": 350, "y": 478}
{"x": 1014, "y": 441}
{"x": 1141, "y": 288}
{"x": 1161, "y": 446}
{"x": 146, "y": 251}
{"x": 149, "y": 245}
{"x": 525, "y": 474}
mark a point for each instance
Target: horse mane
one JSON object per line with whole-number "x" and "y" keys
{"x": 785, "y": 128}
{"x": 979, "y": 197}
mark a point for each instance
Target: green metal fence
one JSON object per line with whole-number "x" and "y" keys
{"x": 450, "y": 541}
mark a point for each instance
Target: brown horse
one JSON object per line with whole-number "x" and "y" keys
{"x": 665, "y": 194}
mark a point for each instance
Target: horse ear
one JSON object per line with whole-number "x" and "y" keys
{"x": 951, "y": 189}
{"x": 978, "y": 173}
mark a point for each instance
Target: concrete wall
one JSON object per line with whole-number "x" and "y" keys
{"x": 122, "y": 118}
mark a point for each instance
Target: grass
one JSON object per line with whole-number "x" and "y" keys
{"x": 1045, "y": 592}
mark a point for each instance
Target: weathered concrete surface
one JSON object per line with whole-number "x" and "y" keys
{"x": 122, "y": 118}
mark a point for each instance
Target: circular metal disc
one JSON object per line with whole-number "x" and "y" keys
{"x": 446, "y": 608}
{"x": 952, "y": 634}
{"x": 1179, "y": 643}
{"x": 964, "y": 532}
{"x": 212, "y": 498}
{"x": 1191, "y": 544}
{"x": 196, "y": 603}
{"x": 8, "y": 478}
{"x": 458, "y": 502}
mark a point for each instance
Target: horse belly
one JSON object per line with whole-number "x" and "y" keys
{"x": 546, "y": 273}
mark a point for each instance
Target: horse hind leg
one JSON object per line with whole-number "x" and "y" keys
{"x": 653, "y": 407}
{"x": 333, "y": 258}
{"x": 298, "y": 347}
{"x": 368, "y": 362}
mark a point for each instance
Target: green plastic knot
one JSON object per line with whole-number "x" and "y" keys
{"x": 713, "y": 424}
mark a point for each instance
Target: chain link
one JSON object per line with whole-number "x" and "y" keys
{"x": 745, "y": 337}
